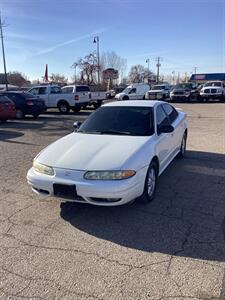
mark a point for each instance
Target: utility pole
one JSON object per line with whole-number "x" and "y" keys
{"x": 75, "y": 71}
{"x": 195, "y": 71}
{"x": 147, "y": 61}
{"x": 96, "y": 40}
{"x": 3, "y": 52}
{"x": 158, "y": 65}
{"x": 173, "y": 77}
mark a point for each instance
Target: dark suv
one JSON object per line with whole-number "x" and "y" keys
{"x": 26, "y": 104}
{"x": 184, "y": 92}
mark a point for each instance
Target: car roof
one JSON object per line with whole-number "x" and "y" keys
{"x": 142, "y": 103}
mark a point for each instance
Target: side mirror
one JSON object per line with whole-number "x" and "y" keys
{"x": 165, "y": 129}
{"x": 76, "y": 125}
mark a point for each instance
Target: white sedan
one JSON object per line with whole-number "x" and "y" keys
{"x": 114, "y": 157}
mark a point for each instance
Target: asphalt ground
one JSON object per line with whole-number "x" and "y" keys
{"x": 173, "y": 248}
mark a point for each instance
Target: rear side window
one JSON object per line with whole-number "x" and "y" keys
{"x": 170, "y": 111}
{"x": 82, "y": 88}
{"x": 17, "y": 99}
{"x": 67, "y": 90}
{"x": 55, "y": 90}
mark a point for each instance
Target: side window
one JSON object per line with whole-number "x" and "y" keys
{"x": 132, "y": 91}
{"x": 170, "y": 111}
{"x": 14, "y": 98}
{"x": 161, "y": 117}
{"x": 55, "y": 90}
{"x": 42, "y": 91}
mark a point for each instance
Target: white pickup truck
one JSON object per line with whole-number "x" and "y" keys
{"x": 69, "y": 97}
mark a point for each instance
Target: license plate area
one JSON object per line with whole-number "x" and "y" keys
{"x": 65, "y": 191}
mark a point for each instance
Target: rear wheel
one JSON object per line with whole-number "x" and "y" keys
{"x": 76, "y": 109}
{"x": 150, "y": 183}
{"x": 97, "y": 104}
{"x": 19, "y": 114}
{"x": 182, "y": 152}
{"x": 36, "y": 115}
{"x": 63, "y": 107}
{"x": 125, "y": 98}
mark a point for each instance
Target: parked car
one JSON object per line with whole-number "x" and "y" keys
{"x": 82, "y": 94}
{"x": 114, "y": 157}
{"x": 213, "y": 90}
{"x": 158, "y": 92}
{"x": 7, "y": 109}
{"x": 134, "y": 91}
{"x": 184, "y": 92}
{"x": 26, "y": 104}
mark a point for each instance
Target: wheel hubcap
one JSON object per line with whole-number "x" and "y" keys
{"x": 151, "y": 182}
{"x": 63, "y": 108}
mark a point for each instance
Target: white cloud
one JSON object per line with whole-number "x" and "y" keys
{"x": 52, "y": 48}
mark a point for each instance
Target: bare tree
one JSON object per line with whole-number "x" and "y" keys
{"x": 88, "y": 68}
{"x": 113, "y": 60}
{"x": 58, "y": 78}
{"x": 139, "y": 73}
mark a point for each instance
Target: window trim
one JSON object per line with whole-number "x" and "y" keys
{"x": 171, "y": 123}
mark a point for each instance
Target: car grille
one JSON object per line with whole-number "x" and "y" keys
{"x": 213, "y": 91}
{"x": 178, "y": 93}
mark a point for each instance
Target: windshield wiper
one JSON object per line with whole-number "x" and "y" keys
{"x": 111, "y": 131}
{"x": 89, "y": 132}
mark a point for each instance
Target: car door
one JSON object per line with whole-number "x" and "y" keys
{"x": 132, "y": 94}
{"x": 54, "y": 96}
{"x": 164, "y": 144}
{"x": 175, "y": 121}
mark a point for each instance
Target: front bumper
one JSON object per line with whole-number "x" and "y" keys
{"x": 97, "y": 192}
{"x": 211, "y": 96}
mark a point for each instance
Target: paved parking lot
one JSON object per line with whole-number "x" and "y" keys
{"x": 173, "y": 248}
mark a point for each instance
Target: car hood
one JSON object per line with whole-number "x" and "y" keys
{"x": 79, "y": 151}
{"x": 119, "y": 95}
{"x": 212, "y": 87}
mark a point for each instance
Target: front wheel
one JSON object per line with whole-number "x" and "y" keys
{"x": 35, "y": 115}
{"x": 97, "y": 104}
{"x": 150, "y": 184}
{"x": 19, "y": 114}
{"x": 182, "y": 152}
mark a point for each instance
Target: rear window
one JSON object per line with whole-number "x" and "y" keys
{"x": 82, "y": 88}
{"x": 67, "y": 90}
{"x": 28, "y": 95}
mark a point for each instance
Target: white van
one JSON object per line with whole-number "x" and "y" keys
{"x": 134, "y": 91}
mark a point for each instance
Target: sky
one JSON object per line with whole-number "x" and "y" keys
{"x": 184, "y": 33}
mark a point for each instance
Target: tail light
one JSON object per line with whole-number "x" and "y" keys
{"x": 76, "y": 97}
{"x": 30, "y": 102}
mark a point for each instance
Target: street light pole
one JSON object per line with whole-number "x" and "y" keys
{"x": 3, "y": 53}
{"x": 96, "y": 40}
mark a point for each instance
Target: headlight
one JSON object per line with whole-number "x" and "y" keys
{"x": 43, "y": 168}
{"x": 219, "y": 91}
{"x": 109, "y": 175}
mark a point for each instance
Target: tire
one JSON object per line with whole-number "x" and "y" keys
{"x": 76, "y": 109}
{"x": 97, "y": 104}
{"x": 143, "y": 97}
{"x": 19, "y": 114}
{"x": 3, "y": 121}
{"x": 150, "y": 184}
{"x": 182, "y": 152}
{"x": 125, "y": 98}
{"x": 63, "y": 107}
{"x": 36, "y": 115}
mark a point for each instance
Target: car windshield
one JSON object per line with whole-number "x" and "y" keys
{"x": 213, "y": 84}
{"x": 158, "y": 87}
{"x": 184, "y": 86}
{"x": 120, "y": 120}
